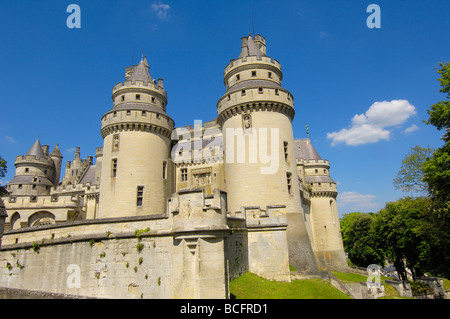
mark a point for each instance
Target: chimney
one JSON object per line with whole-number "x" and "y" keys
{"x": 45, "y": 149}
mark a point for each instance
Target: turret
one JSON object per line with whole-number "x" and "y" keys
{"x": 35, "y": 172}
{"x": 323, "y": 217}
{"x": 136, "y": 147}
{"x": 57, "y": 157}
{"x": 256, "y": 115}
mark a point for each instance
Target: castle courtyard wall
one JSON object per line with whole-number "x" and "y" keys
{"x": 110, "y": 264}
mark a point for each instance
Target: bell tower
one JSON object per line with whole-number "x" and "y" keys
{"x": 135, "y": 174}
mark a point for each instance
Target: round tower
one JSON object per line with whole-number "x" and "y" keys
{"x": 256, "y": 115}
{"x": 33, "y": 172}
{"x": 136, "y": 148}
{"x": 326, "y": 231}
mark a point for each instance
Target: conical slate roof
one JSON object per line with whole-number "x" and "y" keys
{"x": 305, "y": 150}
{"x": 141, "y": 72}
{"x": 36, "y": 149}
{"x": 56, "y": 152}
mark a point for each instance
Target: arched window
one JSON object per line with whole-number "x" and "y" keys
{"x": 41, "y": 218}
{"x": 15, "y": 221}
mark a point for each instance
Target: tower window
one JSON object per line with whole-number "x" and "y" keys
{"x": 253, "y": 73}
{"x": 128, "y": 112}
{"x": 238, "y": 77}
{"x": 184, "y": 174}
{"x": 243, "y": 92}
{"x": 27, "y": 170}
{"x": 144, "y": 113}
{"x": 285, "y": 144}
{"x": 153, "y": 99}
{"x": 270, "y": 75}
{"x": 20, "y": 186}
{"x": 114, "y": 167}
{"x": 276, "y": 92}
{"x": 289, "y": 182}
{"x": 140, "y": 196}
{"x": 260, "y": 90}
{"x": 138, "y": 96}
{"x": 122, "y": 98}
{"x": 164, "y": 170}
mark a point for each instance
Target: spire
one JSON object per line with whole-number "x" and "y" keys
{"x": 56, "y": 152}
{"x": 36, "y": 149}
{"x": 141, "y": 72}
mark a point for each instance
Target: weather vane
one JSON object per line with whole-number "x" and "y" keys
{"x": 307, "y": 130}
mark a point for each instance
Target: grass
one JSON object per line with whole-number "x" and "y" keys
{"x": 389, "y": 290}
{"x": 251, "y": 286}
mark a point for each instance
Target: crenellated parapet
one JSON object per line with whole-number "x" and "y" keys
{"x": 136, "y": 120}
{"x": 34, "y": 160}
{"x": 140, "y": 92}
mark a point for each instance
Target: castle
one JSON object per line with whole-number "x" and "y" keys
{"x": 169, "y": 212}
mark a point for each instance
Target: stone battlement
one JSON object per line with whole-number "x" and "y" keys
{"x": 251, "y": 60}
{"x": 156, "y": 86}
{"x": 31, "y": 159}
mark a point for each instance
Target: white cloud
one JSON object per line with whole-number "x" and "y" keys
{"x": 356, "y": 201}
{"x": 411, "y": 129}
{"x": 10, "y": 139}
{"x": 370, "y": 126}
{"x": 162, "y": 10}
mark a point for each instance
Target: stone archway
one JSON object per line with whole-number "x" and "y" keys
{"x": 41, "y": 219}
{"x": 15, "y": 221}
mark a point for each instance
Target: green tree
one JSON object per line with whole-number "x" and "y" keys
{"x": 402, "y": 228}
{"x": 410, "y": 177}
{"x": 3, "y": 171}
{"x": 437, "y": 175}
{"x": 437, "y": 168}
{"x": 359, "y": 239}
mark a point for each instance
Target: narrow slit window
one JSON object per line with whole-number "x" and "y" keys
{"x": 114, "y": 167}
{"x": 286, "y": 154}
{"x": 289, "y": 182}
{"x": 164, "y": 170}
{"x": 140, "y": 196}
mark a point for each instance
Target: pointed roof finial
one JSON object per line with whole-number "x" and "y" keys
{"x": 307, "y": 130}
{"x": 36, "y": 149}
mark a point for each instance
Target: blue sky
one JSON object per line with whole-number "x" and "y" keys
{"x": 56, "y": 82}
